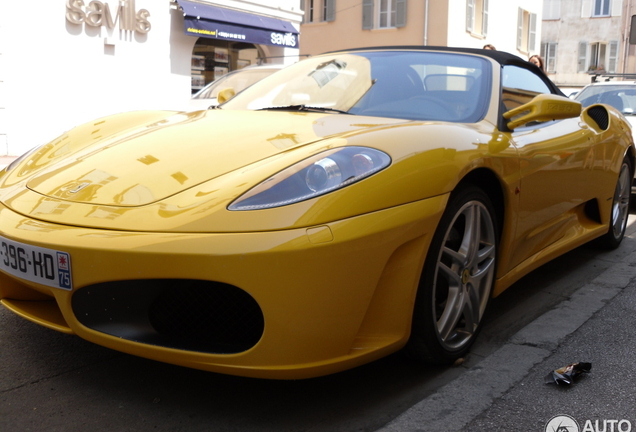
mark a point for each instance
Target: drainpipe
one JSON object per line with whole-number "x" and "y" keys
{"x": 426, "y": 23}
{"x": 626, "y": 46}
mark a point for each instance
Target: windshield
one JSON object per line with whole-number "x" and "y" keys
{"x": 238, "y": 81}
{"x": 621, "y": 97}
{"x": 415, "y": 85}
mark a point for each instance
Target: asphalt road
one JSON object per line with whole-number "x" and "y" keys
{"x": 55, "y": 382}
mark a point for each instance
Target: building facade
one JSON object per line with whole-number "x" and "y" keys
{"x": 584, "y": 37}
{"x": 510, "y": 25}
{"x": 66, "y": 62}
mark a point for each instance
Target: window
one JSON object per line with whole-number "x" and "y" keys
{"x": 601, "y": 8}
{"x": 548, "y": 52}
{"x": 520, "y": 86}
{"x": 398, "y": 84}
{"x": 598, "y": 53}
{"x": 477, "y": 17}
{"x": 526, "y": 31}
{"x": 383, "y": 14}
{"x": 386, "y": 12}
{"x": 318, "y": 10}
{"x": 598, "y": 56}
{"x": 551, "y": 9}
{"x": 214, "y": 58}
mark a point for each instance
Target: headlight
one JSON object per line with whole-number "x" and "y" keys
{"x": 315, "y": 176}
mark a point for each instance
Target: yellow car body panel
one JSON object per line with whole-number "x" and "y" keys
{"x": 200, "y": 207}
{"x": 362, "y": 253}
{"x": 143, "y": 197}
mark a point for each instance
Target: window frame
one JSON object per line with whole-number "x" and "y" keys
{"x": 526, "y": 31}
{"x": 371, "y": 14}
{"x": 388, "y": 14}
{"x": 598, "y": 53}
{"x": 601, "y": 6}
{"x": 477, "y": 17}
{"x": 318, "y": 11}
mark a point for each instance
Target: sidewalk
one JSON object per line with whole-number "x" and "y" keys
{"x": 602, "y": 400}
{"x": 506, "y": 391}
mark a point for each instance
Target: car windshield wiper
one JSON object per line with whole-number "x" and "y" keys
{"x": 304, "y": 108}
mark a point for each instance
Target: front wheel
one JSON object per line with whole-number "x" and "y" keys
{"x": 457, "y": 279}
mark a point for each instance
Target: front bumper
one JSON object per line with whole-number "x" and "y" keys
{"x": 332, "y": 297}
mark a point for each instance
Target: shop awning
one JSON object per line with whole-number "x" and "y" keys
{"x": 215, "y": 22}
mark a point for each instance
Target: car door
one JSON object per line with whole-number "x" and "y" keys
{"x": 556, "y": 164}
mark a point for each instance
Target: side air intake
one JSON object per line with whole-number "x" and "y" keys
{"x": 600, "y": 116}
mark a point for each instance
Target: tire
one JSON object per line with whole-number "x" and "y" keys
{"x": 620, "y": 207}
{"x": 457, "y": 279}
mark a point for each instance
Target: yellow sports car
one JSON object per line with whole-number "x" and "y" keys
{"x": 346, "y": 207}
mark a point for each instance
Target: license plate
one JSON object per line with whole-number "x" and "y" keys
{"x": 45, "y": 266}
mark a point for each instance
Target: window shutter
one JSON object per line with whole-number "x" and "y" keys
{"x": 586, "y": 8}
{"x": 553, "y": 57}
{"x": 484, "y": 19}
{"x": 519, "y": 28}
{"x": 400, "y": 13}
{"x": 470, "y": 15}
{"x": 367, "y": 14}
{"x": 532, "y": 32}
{"x": 302, "y": 8}
{"x": 617, "y": 7}
{"x": 551, "y": 9}
{"x": 544, "y": 50}
{"x": 612, "y": 63}
{"x": 582, "y": 63}
{"x": 550, "y": 57}
{"x": 331, "y": 10}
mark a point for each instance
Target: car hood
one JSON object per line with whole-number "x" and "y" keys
{"x": 143, "y": 158}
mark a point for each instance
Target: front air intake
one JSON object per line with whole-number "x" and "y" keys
{"x": 191, "y": 315}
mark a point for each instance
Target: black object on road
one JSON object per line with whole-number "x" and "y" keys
{"x": 566, "y": 374}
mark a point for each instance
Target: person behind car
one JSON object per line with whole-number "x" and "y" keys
{"x": 537, "y": 61}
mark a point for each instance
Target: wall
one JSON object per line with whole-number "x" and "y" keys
{"x": 346, "y": 31}
{"x": 62, "y": 74}
{"x": 446, "y": 27}
{"x": 628, "y": 52}
{"x": 570, "y": 29}
{"x": 502, "y": 26}
{"x": 3, "y": 87}
{"x": 55, "y": 74}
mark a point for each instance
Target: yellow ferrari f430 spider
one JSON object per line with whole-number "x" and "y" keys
{"x": 348, "y": 206}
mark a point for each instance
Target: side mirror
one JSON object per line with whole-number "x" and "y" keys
{"x": 544, "y": 107}
{"x": 225, "y": 95}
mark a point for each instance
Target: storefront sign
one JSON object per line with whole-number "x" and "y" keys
{"x": 218, "y": 30}
{"x": 210, "y": 21}
{"x": 97, "y": 14}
